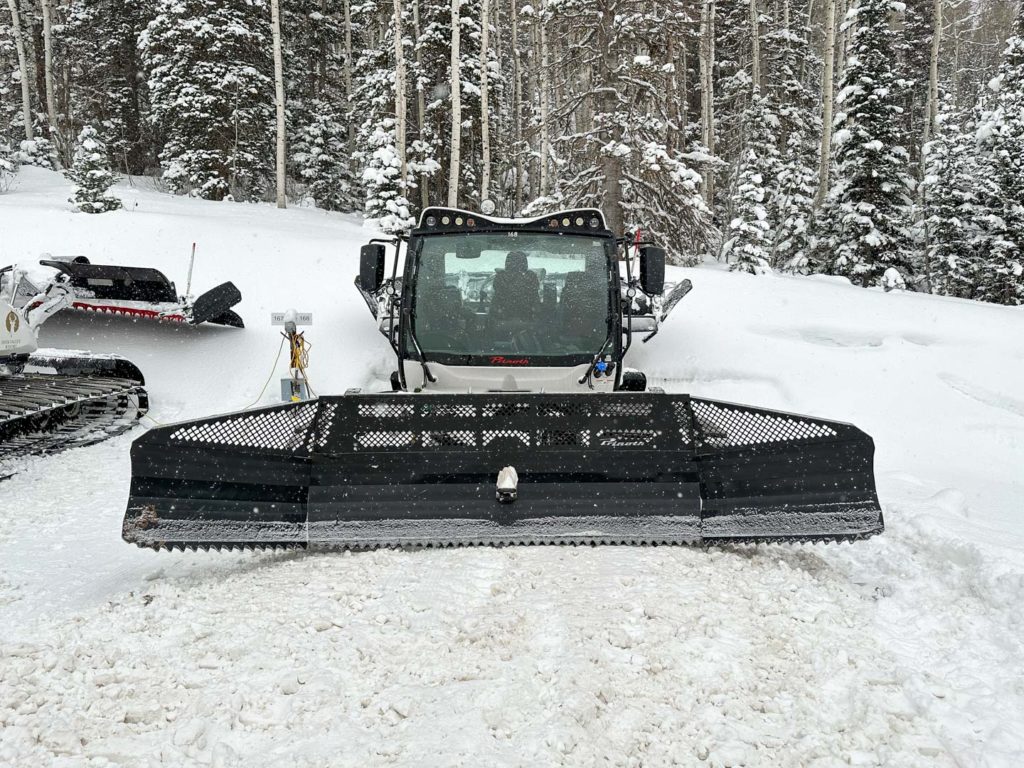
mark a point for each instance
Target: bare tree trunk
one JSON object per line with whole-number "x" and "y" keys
{"x": 485, "y": 133}
{"x": 456, "y": 85}
{"x": 755, "y": 47}
{"x": 828, "y": 94}
{"x": 348, "y": 75}
{"x": 517, "y": 108}
{"x": 275, "y": 24}
{"x": 545, "y": 86}
{"x": 931, "y": 115}
{"x": 26, "y": 93}
{"x": 421, "y": 102}
{"x": 51, "y": 102}
{"x": 932, "y": 109}
{"x": 707, "y": 89}
{"x": 403, "y": 179}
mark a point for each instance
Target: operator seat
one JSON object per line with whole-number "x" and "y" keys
{"x": 440, "y": 317}
{"x": 516, "y": 290}
{"x": 585, "y": 298}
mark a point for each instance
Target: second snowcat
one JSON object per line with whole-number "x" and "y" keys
{"x": 56, "y": 399}
{"x": 512, "y": 421}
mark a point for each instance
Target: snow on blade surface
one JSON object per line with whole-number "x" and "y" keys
{"x": 902, "y": 650}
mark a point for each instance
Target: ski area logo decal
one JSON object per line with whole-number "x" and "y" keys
{"x": 12, "y": 323}
{"x": 499, "y": 360}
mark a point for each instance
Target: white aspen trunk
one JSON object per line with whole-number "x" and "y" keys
{"x": 517, "y": 108}
{"x": 707, "y": 89}
{"x": 403, "y": 179}
{"x": 545, "y": 85}
{"x": 931, "y": 115}
{"x": 26, "y": 92}
{"x": 828, "y": 93}
{"x": 275, "y": 24}
{"x": 755, "y": 47}
{"x": 932, "y": 108}
{"x": 611, "y": 162}
{"x": 51, "y": 102}
{"x": 456, "y": 85}
{"x": 348, "y": 75}
{"x": 485, "y": 133}
{"x": 421, "y": 100}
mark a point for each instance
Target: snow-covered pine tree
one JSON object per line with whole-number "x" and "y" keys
{"x": 7, "y": 166}
{"x": 91, "y": 172}
{"x": 317, "y": 102}
{"x": 751, "y": 230}
{"x": 108, "y": 93}
{"x": 386, "y": 193}
{"x": 38, "y": 152}
{"x": 318, "y": 157}
{"x": 792, "y": 65}
{"x": 209, "y": 68}
{"x": 869, "y": 205}
{"x": 954, "y": 219}
{"x": 1001, "y": 136}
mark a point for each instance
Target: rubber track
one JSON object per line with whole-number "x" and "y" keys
{"x": 73, "y": 411}
{"x": 577, "y": 542}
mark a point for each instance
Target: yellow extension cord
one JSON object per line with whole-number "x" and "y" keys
{"x": 298, "y": 358}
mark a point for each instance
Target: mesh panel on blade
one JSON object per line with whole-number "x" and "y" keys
{"x": 722, "y": 426}
{"x": 442, "y": 422}
{"x": 283, "y": 429}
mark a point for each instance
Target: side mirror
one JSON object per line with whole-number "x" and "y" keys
{"x": 371, "y": 267}
{"x": 652, "y": 270}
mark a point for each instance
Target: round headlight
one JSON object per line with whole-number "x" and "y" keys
{"x": 595, "y": 222}
{"x": 487, "y": 207}
{"x": 431, "y": 221}
{"x": 579, "y": 221}
{"x": 458, "y": 221}
{"x": 446, "y": 220}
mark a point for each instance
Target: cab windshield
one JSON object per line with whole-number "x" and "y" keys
{"x": 511, "y": 295}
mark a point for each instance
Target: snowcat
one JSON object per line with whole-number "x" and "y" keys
{"x": 512, "y": 421}
{"x": 136, "y": 292}
{"x": 56, "y": 399}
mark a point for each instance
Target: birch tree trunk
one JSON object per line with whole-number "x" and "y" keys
{"x": 545, "y": 86}
{"x": 421, "y": 102}
{"x": 517, "y": 108}
{"x": 400, "y": 120}
{"x": 348, "y": 74}
{"x": 707, "y": 89}
{"x": 755, "y": 47}
{"x": 485, "y": 132}
{"x": 456, "y": 86}
{"x": 932, "y": 108}
{"x": 26, "y": 93}
{"x": 275, "y": 22}
{"x": 51, "y": 102}
{"x": 827, "y": 96}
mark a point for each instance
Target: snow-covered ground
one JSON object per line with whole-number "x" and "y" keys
{"x": 907, "y": 649}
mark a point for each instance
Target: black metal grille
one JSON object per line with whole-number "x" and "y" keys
{"x": 720, "y": 425}
{"x": 439, "y": 422}
{"x": 283, "y": 428}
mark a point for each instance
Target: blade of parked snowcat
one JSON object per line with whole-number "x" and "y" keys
{"x": 363, "y": 471}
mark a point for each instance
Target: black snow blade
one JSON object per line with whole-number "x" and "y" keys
{"x": 214, "y": 306}
{"x": 113, "y": 283}
{"x": 365, "y": 471}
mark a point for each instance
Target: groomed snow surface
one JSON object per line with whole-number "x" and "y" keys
{"x": 905, "y": 650}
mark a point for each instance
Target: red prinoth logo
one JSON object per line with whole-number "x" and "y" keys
{"x": 499, "y": 360}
